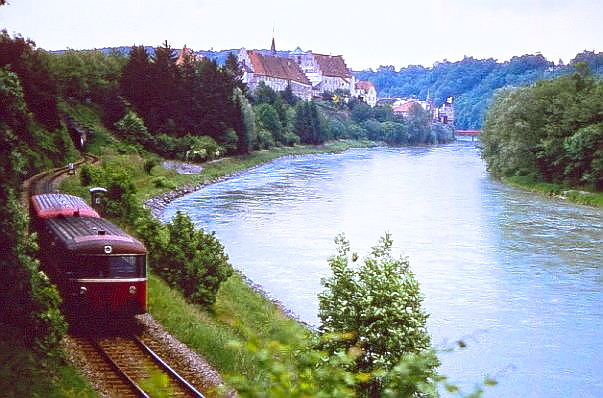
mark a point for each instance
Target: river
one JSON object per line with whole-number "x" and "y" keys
{"x": 516, "y": 276}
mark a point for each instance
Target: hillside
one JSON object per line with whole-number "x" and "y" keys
{"x": 472, "y": 82}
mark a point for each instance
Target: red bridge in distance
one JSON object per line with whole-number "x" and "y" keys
{"x": 467, "y": 133}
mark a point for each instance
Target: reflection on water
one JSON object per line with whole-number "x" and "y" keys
{"x": 518, "y": 277}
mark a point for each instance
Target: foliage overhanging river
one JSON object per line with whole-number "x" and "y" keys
{"x": 516, "y": 276}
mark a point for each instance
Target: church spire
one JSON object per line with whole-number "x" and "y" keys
{"x": 273, "y": 46}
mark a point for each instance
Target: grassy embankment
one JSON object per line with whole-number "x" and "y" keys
{"x": 575, "y": 196}
{"x": 25, "y": 373}
{"x": 240, "y": 313}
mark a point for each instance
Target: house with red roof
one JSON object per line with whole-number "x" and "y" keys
{"x": 187, "y": 53}
{"x": 403, "y": 108}
{"x": 307, "y": 73}
{"x": 365, "y": 91}
{"x": 275, "y": 72}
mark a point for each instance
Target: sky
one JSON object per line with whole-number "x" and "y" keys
{"x": 367, "y": 33}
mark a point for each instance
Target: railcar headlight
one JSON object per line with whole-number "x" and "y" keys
{"x": 132, "y": 290}
{"x": 83, "y": 290}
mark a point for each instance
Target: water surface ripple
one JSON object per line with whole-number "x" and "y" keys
{"x": 516, "y": 276}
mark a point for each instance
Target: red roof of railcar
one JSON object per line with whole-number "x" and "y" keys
{"x": 51, "y": 205}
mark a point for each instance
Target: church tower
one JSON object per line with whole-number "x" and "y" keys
{"x": 273, "y": 46}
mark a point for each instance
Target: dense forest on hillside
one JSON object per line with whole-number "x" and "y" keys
{"x": 472, "y": 82}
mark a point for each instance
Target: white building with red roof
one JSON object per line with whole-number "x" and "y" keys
{"x": 366, "y": 91}
{"x": 275, "y": 72}
{"x": 326, "y": 72}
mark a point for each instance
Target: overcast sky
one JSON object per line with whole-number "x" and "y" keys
{"x": 367, "y": 33}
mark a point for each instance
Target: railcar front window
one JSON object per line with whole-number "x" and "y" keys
{"x": 110, "y": 266}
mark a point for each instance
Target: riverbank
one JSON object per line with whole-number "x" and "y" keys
{"x": 594, "y": 199}
{"x": 243, "y": 311}
{"x": 221, "y": 169}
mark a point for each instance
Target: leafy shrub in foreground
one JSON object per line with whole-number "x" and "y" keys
{"x": 193, "y": 260}
{"x": 377, "y": 307}
{"x": 29, "y": 301}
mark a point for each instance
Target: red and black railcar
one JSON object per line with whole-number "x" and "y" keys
{"x": 100, "y": 270}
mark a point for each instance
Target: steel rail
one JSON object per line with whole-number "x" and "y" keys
{"x": 117, "y": 369}
{"x": 167, "y": 368}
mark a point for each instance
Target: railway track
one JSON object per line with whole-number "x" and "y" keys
{"x": 123, "y": 366}
{"x": 47, "y": 181}
{"x": 129, "y": 368}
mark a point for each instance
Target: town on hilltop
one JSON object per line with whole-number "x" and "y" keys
{"x": 308, "y": 74}
{"x": 311, "y": 75}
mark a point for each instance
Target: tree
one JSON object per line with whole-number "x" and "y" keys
{"x": 244, "y": 123}
{"x": 376, "y": 309}
{"x": 164, "y": 95}
{"x": 394, "y": 133}
{"x": 418, "y": 123}
{"x": 550, "y": 131}
{"x": 193, "y": 260}
{"x": 30, "y": 301}
{"x": 234, "y": 73}
{"x": 288, "y": 96}
{"x": 585, "y": 151}
{"x": 267, "y": 118}
{"x": 264, "y": 94}
{"x": 361, "y": 111}
{"x": 307, "y": 123}
{"x": 131, "y": 128}
{"x": 135, "y": 80}
{"x": 31, "y": 66}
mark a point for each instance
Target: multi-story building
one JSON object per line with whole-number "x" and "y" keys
{"x": 365, "y": 91}
{"x": 275, "y": 72}
{"x": 307, "y": 73}
{"x": 327, "y": 73}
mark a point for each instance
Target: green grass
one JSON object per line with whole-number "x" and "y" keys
{"x": 212, "y": 171}
{"x": 232, "y": 165}
{"x": 575, "y": 196}
{"x": 239, "y": 314}
{"x": 88, "y": 117}
{"x": 25, "y": 373}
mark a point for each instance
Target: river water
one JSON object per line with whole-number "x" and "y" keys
{"x": 516, "y": 276}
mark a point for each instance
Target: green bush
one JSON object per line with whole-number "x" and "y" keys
{"x": 119, "y": 200}
{"x": 377, "y": 307}
{"x": 230, "y": 140}
{"x": 290, "y": 138}
{"x": 291, "y": 370}
{"x": 29, "y": 301}
{"x": 265, "y": 139}
{"x": 162, "y": 182}
{"x": 193, "y": 260}
{"x": 149, "y": 164}
{"x": 132, "y": 129}
{"x": 201, "y": 148}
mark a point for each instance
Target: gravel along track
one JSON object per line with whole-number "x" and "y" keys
{"x": 126, "y": 367}
{"x": 194, "y": 369}
{"x": 84, "y": 353}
